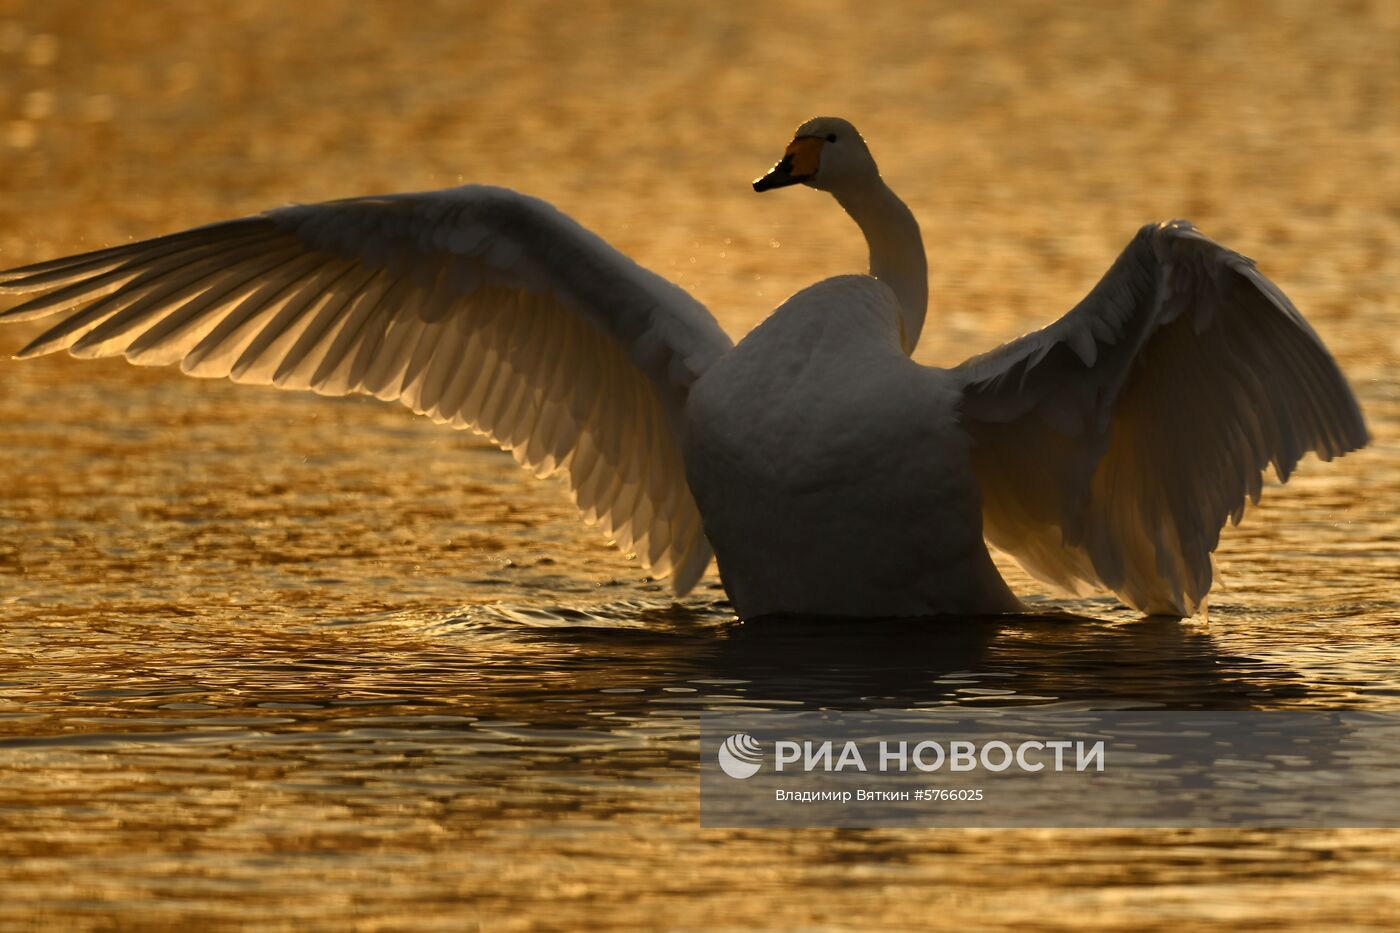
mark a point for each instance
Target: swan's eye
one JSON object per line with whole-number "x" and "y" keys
{"x": 831, "y": 137}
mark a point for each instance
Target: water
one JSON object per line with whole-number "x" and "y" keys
{"x": 289, "y": 662}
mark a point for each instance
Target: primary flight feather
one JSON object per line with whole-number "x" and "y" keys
{"x": 828, "y": 472}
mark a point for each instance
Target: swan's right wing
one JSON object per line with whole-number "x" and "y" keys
{"x": 476, "y": 306}
{"x": 1113, "y": 445}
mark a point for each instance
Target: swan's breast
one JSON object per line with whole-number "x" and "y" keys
{"x": 820, "y": 394}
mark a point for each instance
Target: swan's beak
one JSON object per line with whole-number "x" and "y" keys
{"x": 799, "y": 163}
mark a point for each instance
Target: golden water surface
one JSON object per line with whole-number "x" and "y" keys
{"x": 282, "y": 662}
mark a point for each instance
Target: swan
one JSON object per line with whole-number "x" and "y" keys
{"x": 825, "y": 470}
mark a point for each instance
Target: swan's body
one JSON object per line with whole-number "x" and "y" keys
{"x": 805, "y": 446}
{"x": 831, "y": 474}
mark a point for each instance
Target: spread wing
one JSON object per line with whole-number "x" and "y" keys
{"x": 476, "y": 306}
{"x": 1112, "y": 446}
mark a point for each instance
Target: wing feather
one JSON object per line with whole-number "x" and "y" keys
{"x": 232, "y": 330}
{"x": 170, "y": 291}
{"x": 173, "y": 336}
{"x": 72, "y": 281}
{"x": 295, "y": 368}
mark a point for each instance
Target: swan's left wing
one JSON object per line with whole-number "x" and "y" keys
{"x": 476, "y": 306}
{"x": 1112, "y": 446}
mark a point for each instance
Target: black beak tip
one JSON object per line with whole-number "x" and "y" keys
{"x": 774, "y": 179}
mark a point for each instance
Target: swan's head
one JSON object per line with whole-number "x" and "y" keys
{"x": 826, "y": 153}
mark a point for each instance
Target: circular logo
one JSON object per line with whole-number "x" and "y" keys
{"x": 740, "y": 756}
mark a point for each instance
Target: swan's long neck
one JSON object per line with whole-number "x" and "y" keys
{"x": 896, "y": 251}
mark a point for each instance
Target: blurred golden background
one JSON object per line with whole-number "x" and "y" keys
{"x": 214, "y": 581}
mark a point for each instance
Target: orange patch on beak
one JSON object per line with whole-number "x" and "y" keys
{"x": 806, "y": 155}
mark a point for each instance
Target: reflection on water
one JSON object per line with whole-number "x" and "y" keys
{"x": 478, "y": 755}
{"x": 293, "y": 662}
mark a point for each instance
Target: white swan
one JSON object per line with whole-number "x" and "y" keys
{"x": 830, "y": 473}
